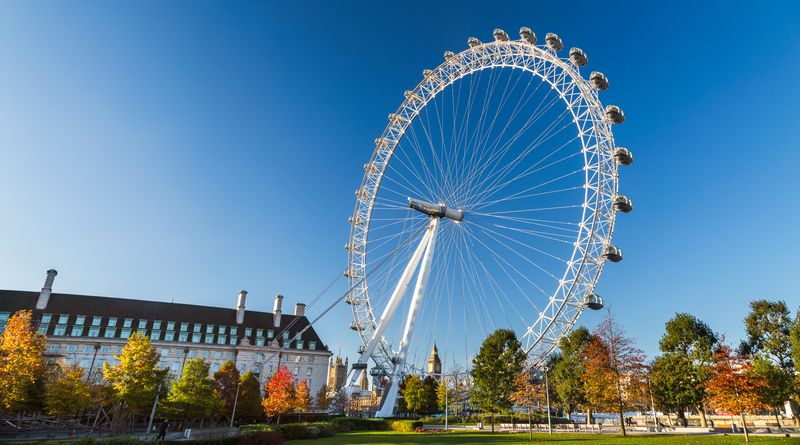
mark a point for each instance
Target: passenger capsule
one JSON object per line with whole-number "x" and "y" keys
{"x": 426, "y": 73}
{"x": 612, "y": 253}
{"x": 615, "y": 114}
{"x": 362, "y": 348}
{"x": 473, "y": 42}
{"x": 410, "y": 95}
{"x": 395, "y": 118}
{"x": 527, "y": 35}
{"x": 376, "y": 371}
{"x": 448, "y": 55}
{"x": 593, "y": 301}
{"x": 599, "y": 80}
{"x": 356, "y": 326}
{"x": 623, "y": 156}
{"x": 361, "y": 193}
{"x": 500, "y": 35}
{"x": 623, "y": 204}
{"x": 578, "y": 57}
{"x": 358, "y": 365}
{"x": 554, "y": 41}
{"x": 352, "y": 299}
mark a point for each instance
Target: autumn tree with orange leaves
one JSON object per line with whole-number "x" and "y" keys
{"x": 734, "y": 387}
{"x": 614, "y": 377}
{"x": 281, "y": 394}
{"x": 21, "y": 361}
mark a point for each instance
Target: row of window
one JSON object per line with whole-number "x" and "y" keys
{"x": 196, "y": 336}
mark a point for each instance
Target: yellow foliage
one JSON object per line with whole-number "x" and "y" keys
{"x": 21, "y": 360}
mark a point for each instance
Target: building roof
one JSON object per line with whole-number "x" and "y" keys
{"x": 123, "y": 308}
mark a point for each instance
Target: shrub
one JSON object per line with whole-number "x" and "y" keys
{"x": 344, "y": 424}
{"x": 405, "y": 426}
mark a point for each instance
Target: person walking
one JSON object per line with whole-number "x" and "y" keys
{"x": 162, "y": 430}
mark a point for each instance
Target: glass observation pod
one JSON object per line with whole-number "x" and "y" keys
{"x": 599, "y": 80}
{"x": 615, "y": 114}
{"x": 623, "y": 156}
{"x": 358, "y": 365}
{"x": 623, "y": 204}
{"x": 527, "y": 35}
{"x": 500, "y": 35}
{"x": 578, "y": 57}
{"x": 554, "y": 41}
{"x": 612, "y": 253}
{"x": 376, "y": 372}
{"x": 356, "y": 326}
{"x": 473, "y": 42}
{"x": 593, "y": 301}
{"x": 448, "y": 55}
{"x": 362, "y": 348}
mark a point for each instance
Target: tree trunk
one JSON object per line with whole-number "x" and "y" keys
{"x": 589, "y": 416}
{"x": 778, "y": 419}
{"x": 744, "y": 427}
{"x": 703, "y": 421}
{"x": 622, "y": 423}
{"x": 492, "y": 422}
{"x": 681, "y": 417}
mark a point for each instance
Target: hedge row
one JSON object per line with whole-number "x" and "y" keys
{"x": 405, "y": 426}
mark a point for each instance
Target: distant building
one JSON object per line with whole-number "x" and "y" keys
{"x": 337, "y": 374}
{"x": 434, "y": 367}
{"x": 87, "y": 331}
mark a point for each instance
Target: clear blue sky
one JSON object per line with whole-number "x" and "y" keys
{"x": 186, "y": 150}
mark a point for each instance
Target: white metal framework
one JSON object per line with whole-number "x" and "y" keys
{"x": 533, "y": 174}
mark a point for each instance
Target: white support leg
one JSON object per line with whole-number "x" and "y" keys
{"x": 387, "y": 409}
{"x": 391, "y": 307}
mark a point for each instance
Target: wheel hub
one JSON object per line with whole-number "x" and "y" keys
{"x": 436, "y": 210}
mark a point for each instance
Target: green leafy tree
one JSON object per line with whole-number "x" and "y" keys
{"x": 446, "y": 394}
{"x": 568, "y": 369}
{"x": 431, "y": 398}
{"x": 136, "y": 379}
{"x": 769, "y": 327}
{"x": 680, "y": 374}
{"x": 21, "y": 361}
{"x": 494, "y": 368}
{"x": 249, "y": 405}
{"x": 414, "y": 394}
{"x": 322, "y": 401}
{"x": 227, "y": 380}
{"x": 777, "y": 389}
{"x": 67, "y": 392}
{"x": 194, "y": 394}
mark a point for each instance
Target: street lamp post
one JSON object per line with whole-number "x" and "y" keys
{"x": 652, "y": 405}
{"x": 547, "y": 394}
{"x": 235, "y": 401}
{"x": 153, "y": 412}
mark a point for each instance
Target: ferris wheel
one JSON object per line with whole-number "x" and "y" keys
{"x": 495, "y": 185}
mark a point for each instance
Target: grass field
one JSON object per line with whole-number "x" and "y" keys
{"x": 474, "y": 438}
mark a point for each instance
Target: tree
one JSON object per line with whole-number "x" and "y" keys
{"x": 322, "y": 401}
{"x": 414, "y": 394}
{"x": 526, "y": 392}
{"x": 769, "y": 328}
{"x": 499, "y": 360}
{"x": 21, "y": 361}
{"x": 67, "y": 392}
{"x": 446, "y": 396}
{"x": 303, "y": 399}
{"x": 567, "y": 371}
{"x": 280, "y": 394}
{"x": 227, "y": 380}
{"x": 430, "y": 396}
{"x": 680, "y": 374}
{"x": 777, "y": 388}
{"x": 614, "y": 379}
{"x": 733, "y": 386}
{"x": 249, "y": 405}
{"x": 136, "y": 379}
{"x": 194, "y": 394}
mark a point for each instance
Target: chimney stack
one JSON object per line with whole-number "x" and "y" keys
{"x": 44, "y": 296}
{"x": 300, "y": 309}
{"x": 240, "y": 307}
{"x": 276, "y": 309}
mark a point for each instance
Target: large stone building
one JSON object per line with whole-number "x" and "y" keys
{"x": 88, "y": 331}
{"x": 434, "y": 367}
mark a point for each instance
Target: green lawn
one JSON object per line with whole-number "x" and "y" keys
{"x": 470, "y": 438}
